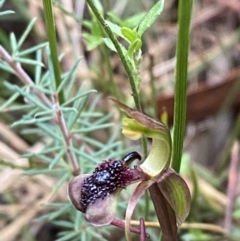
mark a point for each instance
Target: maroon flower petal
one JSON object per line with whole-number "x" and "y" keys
{"x": 140, "y": 189}
{"x": 102, "y": 211}
{"x": 74, "y": 191}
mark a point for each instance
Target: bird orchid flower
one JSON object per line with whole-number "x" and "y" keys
{"x": 95, "y": 194}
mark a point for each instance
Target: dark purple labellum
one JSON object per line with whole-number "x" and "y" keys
{"x": 106, "y": 178}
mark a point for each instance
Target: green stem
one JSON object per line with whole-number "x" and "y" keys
{"x": 51, "y": 33}
{"x": 180, "y": 101}
{"x": 124, "y": 60}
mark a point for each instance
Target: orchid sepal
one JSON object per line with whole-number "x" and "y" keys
{"x": 140, "y": 125}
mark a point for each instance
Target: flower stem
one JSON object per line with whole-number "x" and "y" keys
{"x": 121, "y": 224}
{"x": 124, "y": 60}
{"x": 60, "y": 121}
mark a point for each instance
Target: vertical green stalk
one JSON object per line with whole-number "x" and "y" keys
{"x": 119, "y": 51}
{"x": 124, "y": 61}
{"x": 180, "y": 100}
{"x": 51, "y": 33}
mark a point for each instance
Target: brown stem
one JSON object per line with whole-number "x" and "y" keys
{"x": 142, "y": 230}
{"x": 66, "y": 135}
{"x": 232, "y": 185}
{"x": 121, "y": 224}
{"x": 26, "y": 80}
{"x": 22, "y": 75}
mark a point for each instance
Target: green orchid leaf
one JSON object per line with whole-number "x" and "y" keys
{"x": 115, "y": 28}
{"x": 93, "y": 41}
{"x": 176, "y": 192}
{"x": 109, "y": 44}
{"x": 134, "y": 20}
{"x": 134, "y": 47}
{"x": 129, "y": 34}
{"x": 150, "y": 17}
